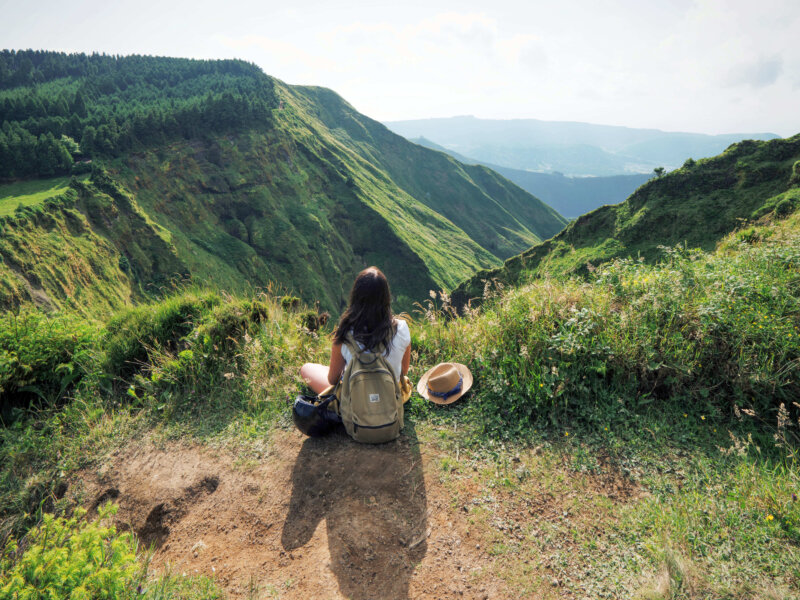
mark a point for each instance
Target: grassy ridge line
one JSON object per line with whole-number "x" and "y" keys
{"x": 696, "y": 205}
{"x": 446, "y": 250}
{"x": 491, "y": 210}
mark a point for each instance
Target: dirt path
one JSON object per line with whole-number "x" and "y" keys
{"x": 316, "y": 518}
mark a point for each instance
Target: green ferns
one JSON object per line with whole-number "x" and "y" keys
{"x": 41, "y": 356}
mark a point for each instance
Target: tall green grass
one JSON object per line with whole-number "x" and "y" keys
{"x": 696, "y": 332}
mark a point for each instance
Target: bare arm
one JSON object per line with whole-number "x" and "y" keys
{"x": 406, "y": 360}
{"x": 337, "y": 364}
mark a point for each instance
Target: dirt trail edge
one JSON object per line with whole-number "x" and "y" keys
{"x": 316, "y": 518}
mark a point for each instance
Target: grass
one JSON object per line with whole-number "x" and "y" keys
{"x": 629, "y": 435}
{"x": 31, "y": 193}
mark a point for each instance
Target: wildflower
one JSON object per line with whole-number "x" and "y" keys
{"x": 541, "y": 385}
{"x": 770, "y": 517}
{"x": 566, "y": 433}
{"x": 794, "y": 497}
{"x": 685, "y": 415}
{"x": 606, "y": 428}
{"x": 702, "y": 417}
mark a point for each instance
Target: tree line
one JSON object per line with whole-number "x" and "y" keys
{"x": 57, "y": 108}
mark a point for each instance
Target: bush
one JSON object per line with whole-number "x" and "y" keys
{"x": 85, "y": 560}
{"x": 785, "y": 207}
{"x": 72, "y": 558}
{"x": 225, "y": 324}
{"x": 794, "y": 179}
{"x": 132, "y": 334}
{"x": 290, "y": 302}
{"x": 42, "y": 356}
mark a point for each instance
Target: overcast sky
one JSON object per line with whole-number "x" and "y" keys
{"x": 711, "y": 66}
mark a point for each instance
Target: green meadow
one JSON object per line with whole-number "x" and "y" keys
{"x": 31, "y": 193}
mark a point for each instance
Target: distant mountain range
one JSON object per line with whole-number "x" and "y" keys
{"x": 570, "y": 148}
{"x": 570, "y": 196}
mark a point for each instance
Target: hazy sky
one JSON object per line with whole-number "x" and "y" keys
{"x": 712, "y": 66}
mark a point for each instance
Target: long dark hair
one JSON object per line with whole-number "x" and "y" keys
{"x": 369, "y": 315}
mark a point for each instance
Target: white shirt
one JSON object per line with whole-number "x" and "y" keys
{"x": 400, "y": 341}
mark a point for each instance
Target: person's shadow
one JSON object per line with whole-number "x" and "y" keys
{"x": 372, "y": 498}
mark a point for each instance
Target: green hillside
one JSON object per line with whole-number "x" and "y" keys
{"x": 252, "y": 182}
{"x": 90, "y": 249}
{"x": 694, "y": 206}
{"x": 492, "y": 212}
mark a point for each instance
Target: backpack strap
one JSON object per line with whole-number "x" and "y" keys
{"x": 357, "y": 352}
{"x": 350, "y": 340}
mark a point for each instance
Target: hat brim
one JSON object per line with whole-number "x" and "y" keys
{"x": 466, "y": 384}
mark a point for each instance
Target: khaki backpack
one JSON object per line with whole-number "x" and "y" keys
{"x": 370, "y": 399}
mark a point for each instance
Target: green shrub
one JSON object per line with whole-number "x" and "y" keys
{"x": 41, "y": 356}
{"x": 85, "y": 560}
{"x": 71, "y": 558}
{"x": 228, "y": 322}
{"x": 290, "y": 302}
{"x": 785, "y": 207}
{"x": 794, "y": 179}
{"x": 133, "y": 334}
{"x": 747, "y": 236}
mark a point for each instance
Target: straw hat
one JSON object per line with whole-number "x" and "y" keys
{"x": 445, "y": 383}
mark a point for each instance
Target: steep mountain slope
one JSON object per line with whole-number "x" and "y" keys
{"x": 254, "y": 182}
{"x": 90, "y": 249}
{"x": 492, "y": 212}
{"x": 695, "y": 205}
{"x": 570, "y": 196}
{"x": 568, "y": 147}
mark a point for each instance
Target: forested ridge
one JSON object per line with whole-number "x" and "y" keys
{"x": 60, "y": 110}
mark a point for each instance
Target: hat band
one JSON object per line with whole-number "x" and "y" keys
{"x": 445, "y": 395}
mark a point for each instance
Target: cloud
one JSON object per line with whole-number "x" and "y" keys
{"x": 524, "y": 49}
{"x": 757, "y": 74}
{"x": 277, "y": 49}
{"x": 470, "y": 29}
